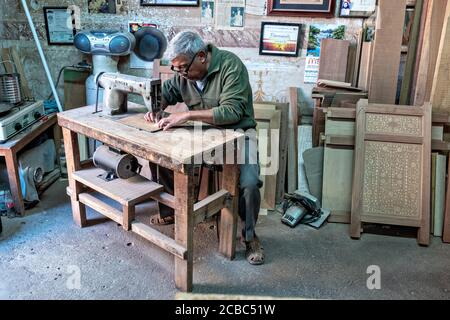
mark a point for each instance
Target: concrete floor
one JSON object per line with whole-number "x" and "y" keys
{"x": 38, "y": 254}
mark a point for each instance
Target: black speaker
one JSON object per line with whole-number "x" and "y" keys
{"x": 151, "y": 44}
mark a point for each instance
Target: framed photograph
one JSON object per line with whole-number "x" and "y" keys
{"x": 280, "y": 39}
{"x": 185, "y": 3}
{"x": 302, "y": 8}
{"x": 59, "y": 25}
{"x": 357, "y": 8}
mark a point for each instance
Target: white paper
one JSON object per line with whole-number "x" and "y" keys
{"x": 230, "y": 14}
{"x": 60, "y": 27}
{"x": 312, "y": 69}
{"x": 255, "y": 7}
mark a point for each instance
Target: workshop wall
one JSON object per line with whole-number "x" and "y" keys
{"x": 270, "y": 76}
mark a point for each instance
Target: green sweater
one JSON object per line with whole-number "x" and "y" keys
{"x": 227, "y": 91}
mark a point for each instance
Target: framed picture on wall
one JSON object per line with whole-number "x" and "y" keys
{"x": 357, "y": 8}
{"x": 301, "y": 8}
{"x": 59, "y": 25}
{"x": 280, "y": 39}
{"x": 186, "y": 3}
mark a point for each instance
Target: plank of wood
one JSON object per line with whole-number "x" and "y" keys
{"x": 440, "y": 94}
{"x": 269, "y": 121}
{"x": 229, "y": 214}
{"x": 184, "y": 229}
{"x": 137, "y": 121}
{"x": 446, "y": 233}
{"x": 159, "y": 239}
{"x": 339, "y": 128}
{"x": 210, "y": 206}
{"x": 441, "y": 170}
{"x": 337, "y": 181}
{"x": 386, "y": 51}
{"x": 292, "y": 166}
{"x": 342, "y": 98}
{"x": 129, "y": 192}
{"x": 101, "y": 207}
{"x": 305, "y": 143}
{"x": 433, "y": 190}
{"x": 283, "y": 143}
{"x": 365, "y": 70}
{"x": 6, "y": 56}
{"x": 405, "y": 94}
{"x": 433, "y": 26}
{"x": 357, "y": 61}
{"x": 73, "y": 164}
{"x": 23, "y": 79}
{"x": 318, "y": 125}
{"x": 333, "y": 59}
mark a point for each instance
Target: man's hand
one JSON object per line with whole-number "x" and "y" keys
{"x": 153, "y": 116}
{"x": 173, "y": 120}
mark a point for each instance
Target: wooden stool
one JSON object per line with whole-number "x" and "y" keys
{"x": 128, "y": 193}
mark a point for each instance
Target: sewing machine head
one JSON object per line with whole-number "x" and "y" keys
{"x": 148, "y": 44}
{"x": 117, "y": 87}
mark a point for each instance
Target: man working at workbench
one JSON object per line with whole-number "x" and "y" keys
{"x": 214, "y": 84}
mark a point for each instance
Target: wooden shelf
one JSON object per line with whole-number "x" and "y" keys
{"x": 127, "y": 192}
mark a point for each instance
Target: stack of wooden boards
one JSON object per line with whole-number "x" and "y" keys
{"x": 277, "y": 152}
{"x": 330, "y": 94}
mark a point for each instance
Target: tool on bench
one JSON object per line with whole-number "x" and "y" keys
{"x": 117, "y": 87}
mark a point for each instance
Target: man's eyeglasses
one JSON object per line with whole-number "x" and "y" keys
{"x": 184, "y": 70}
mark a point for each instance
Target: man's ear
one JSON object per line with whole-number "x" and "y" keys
{"x": 202, "y": 56}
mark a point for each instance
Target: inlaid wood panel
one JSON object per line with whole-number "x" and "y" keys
{"x": 392, "y": 177}
{"x": 392, "y": 167}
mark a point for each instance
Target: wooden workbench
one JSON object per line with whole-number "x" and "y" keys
{"x": 13, "y": 146}
{"x": 174, "y": 150}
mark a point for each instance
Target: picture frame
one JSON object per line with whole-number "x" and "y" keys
{"x": 357, "y": 8}
{"x": 178, "y": 3}
{"x": 302, "y": 8}
{"x": 59, "y": 25}
{"x": 280, "y": 39}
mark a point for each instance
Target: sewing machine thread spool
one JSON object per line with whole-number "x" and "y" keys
{"x": 123, "y": 166}
{"x": 10, "y": 89}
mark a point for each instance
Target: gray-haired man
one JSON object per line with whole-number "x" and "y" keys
{"x": 214, "y": 84}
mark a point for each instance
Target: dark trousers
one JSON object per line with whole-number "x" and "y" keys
{"x": 249, "y": 194}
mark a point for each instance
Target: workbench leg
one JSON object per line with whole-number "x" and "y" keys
{"x": 74, "y": 164}
{"x": 184, "y": 229}
{"x": 229, "y": 215}
{"x": 12, "y": 167}
{"x": 128, "y": 216}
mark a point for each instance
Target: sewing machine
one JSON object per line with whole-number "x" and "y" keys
{"x": 106, "y": 46}
{"x": 117, "y": 87}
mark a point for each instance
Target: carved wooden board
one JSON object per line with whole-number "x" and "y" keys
{"x": 392, "y": 167}
{"x": 137, "y": 121}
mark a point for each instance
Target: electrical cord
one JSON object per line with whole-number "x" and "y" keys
{"x": 82, "y": 66}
